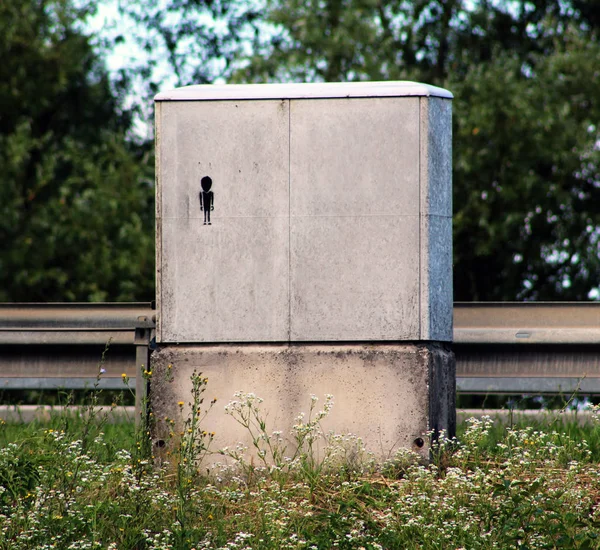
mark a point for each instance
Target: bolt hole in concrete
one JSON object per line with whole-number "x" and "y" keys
{"x": 419, "y": 442}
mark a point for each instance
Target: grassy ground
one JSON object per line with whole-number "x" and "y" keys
{"x": 569, "y": 428}
{"x": 82, "y": 483}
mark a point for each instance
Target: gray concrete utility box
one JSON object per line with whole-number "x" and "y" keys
{"x": 301, "y": 215}
{"x": 332, "y": 213}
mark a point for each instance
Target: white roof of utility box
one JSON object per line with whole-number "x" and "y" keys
{"x": 212, "y": 92}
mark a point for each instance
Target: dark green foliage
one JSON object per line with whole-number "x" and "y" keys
{"x": 76, "y": 202}
{"x": 527, "y": 176}
{"x": 18, "y": 476}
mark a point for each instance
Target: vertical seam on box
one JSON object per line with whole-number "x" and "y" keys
{"x": 289, "y": 220}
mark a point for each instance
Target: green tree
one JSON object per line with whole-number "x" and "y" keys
{"x": 526, "y": 80}
{"x": 527, "y": 176}
{"x": 76, "y": 203}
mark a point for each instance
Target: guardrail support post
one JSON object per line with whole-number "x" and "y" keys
{"x": 143, "y": 335}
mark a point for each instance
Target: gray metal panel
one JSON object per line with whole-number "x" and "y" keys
{"x": 227, "y": 282}
{"x": 64, "y": 383}
{"x": 24, "y": 336}
{"x": 514, "y": 360}
{"x": 66, "y": 361}
{"x": 533, "y": 385}
{"x": 49, "y": 316}
{"x": 527, "y": 322}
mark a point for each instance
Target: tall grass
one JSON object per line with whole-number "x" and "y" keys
{"x": 79, "y": 483}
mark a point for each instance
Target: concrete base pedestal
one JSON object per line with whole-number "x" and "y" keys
{"x": 390, "y": 395}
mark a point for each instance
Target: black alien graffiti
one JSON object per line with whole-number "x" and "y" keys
{"x": 207, "y": 198}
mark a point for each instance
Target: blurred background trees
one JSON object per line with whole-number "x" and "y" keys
{"x": 76, "y": 200}
{"x": 77, "y": 197}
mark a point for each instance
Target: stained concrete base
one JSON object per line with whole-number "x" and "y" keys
{"x": 390, "y": 395}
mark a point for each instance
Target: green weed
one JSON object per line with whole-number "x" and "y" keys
{"x": 74, "y": 485}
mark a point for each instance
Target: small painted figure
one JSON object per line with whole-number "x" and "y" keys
{"x": 207, "y": 198}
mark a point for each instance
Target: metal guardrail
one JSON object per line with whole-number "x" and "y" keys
{"x": 64, "y": 345}
{"x": 531, "y": 347}
{"x": 73, "y": 323}
{"x": 527, "y": 323}
{"x": 503, "y": 347}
